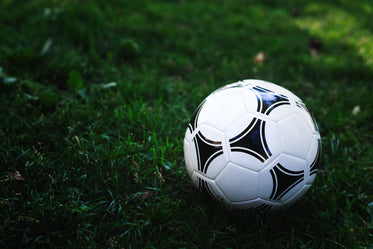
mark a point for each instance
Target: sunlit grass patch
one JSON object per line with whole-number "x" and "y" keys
{"x": 336, "y": 25}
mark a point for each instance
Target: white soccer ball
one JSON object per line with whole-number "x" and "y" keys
{"x": 252, "y": 145}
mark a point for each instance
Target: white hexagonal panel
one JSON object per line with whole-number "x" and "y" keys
{"x": 296, "y": 137}
{"x": 237, "y": 183}
{"x": 190, "y": 155}
{"x": 252, "y": 204}
{"x": 281, "y": 112}
{"x": 216, "y": 166}
{"x": 188, "y": 135}
{"x": 307, "y": 116}
{"x": 313, "y": 158}
{"x": 239, "y": 126}
{"x": 271, "y": 137}
{"x": 210, "y": 133}
{"x": 250, "y": 100}
{"x": 222, "y": 110}
{"x": 246, "y": 160}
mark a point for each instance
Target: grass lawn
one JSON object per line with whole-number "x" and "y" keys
{"x": 95, "y": 97}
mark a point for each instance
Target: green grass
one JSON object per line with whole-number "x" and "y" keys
{"x": 95, "y": 98}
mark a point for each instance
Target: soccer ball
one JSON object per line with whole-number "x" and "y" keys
{"x": 252, "y": 145}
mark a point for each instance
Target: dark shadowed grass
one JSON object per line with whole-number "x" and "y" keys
{"x": 95, "y": 99}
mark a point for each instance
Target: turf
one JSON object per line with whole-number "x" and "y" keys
{"x": 95, "y": 98}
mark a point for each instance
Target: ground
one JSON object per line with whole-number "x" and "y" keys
{"x": 95, "y": 99}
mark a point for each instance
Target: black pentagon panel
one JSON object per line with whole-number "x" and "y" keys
{"x": 315, "y": 164}
{"x": 284, "y": 180}
{"x": 193, "y": 121}
{"x": 268, "y": 100}
{"x": 252, "y": 141}
{"x": 207, "y": 151}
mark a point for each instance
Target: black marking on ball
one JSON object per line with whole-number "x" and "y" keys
{"x": 268, "y": 100}
{"x": 315, "y": 164}
{"x": 193, "y": 121}
{"x": 205, "y": 186}
{"x": 207, "y": 150}
{"x": 252, "y": 141}
{"x": 284, "y": 180}
{"x": 301, "y": 105}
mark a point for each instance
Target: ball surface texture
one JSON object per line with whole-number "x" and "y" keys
{"x": 252, "y": 145}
